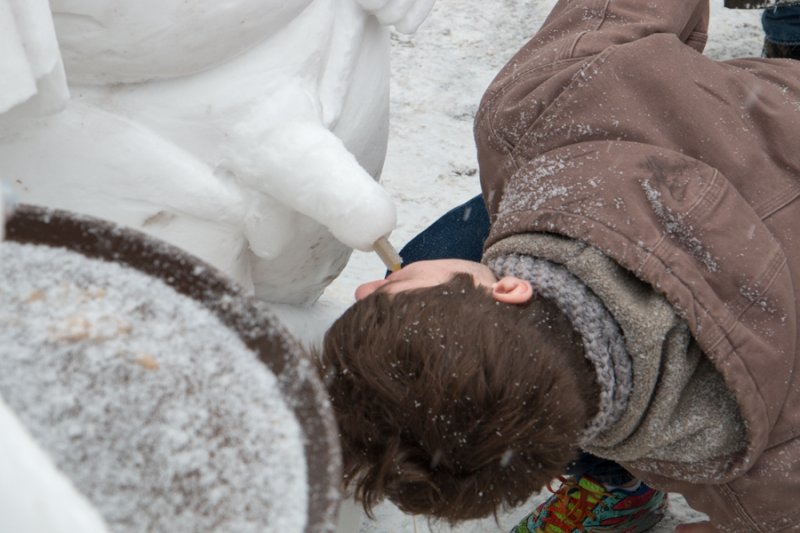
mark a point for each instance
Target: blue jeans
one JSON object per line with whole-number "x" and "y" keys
{"x": 782, "y": 24}
{"x": 459, "y": 234}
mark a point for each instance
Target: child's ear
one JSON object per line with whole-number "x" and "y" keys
{"x": 511, "y": 290}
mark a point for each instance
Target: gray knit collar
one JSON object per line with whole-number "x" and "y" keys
{"x": 602, "y": 340}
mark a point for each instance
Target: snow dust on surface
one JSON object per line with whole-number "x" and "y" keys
{"x": 438, "y": 77}
{"x": 156, "y": 411}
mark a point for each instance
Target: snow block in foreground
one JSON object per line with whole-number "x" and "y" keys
{"x": 171, "y": 401}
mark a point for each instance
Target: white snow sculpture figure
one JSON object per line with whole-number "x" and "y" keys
{"x": 248, "y": 132}
{"x": 36, "y": 496}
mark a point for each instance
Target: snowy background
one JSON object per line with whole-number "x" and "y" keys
{"x": 438, "y": 77}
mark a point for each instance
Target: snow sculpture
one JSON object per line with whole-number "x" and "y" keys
{"x": 37, "y": 497}
{"x": 248, "y": 132}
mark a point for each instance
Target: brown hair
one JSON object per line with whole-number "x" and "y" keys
{"x": 452, "y": 404}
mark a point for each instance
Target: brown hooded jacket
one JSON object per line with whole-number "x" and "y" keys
{"x": 610, "y": 128}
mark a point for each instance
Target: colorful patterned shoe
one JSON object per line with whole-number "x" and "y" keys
{"x": 588, "y": 507}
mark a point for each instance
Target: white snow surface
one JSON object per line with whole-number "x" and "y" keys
{"x": 438, "y": 77}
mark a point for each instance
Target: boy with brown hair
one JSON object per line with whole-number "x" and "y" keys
{"x": 637, "y": 297}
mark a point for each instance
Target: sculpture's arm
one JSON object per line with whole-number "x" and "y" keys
{"x": 283, "y": 150}
{"x": 404, "y": 15}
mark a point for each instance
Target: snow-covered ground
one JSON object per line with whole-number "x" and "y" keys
{"x": 438, "y": 77}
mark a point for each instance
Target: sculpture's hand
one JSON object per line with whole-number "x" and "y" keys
{"x": 404, "y": 15}
{"x": 307, "y": 168}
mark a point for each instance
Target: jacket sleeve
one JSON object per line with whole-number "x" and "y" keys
{"x": 574, "y": 35}
{"x": 582, "y": 28}
{"x": 591, "y": 26}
